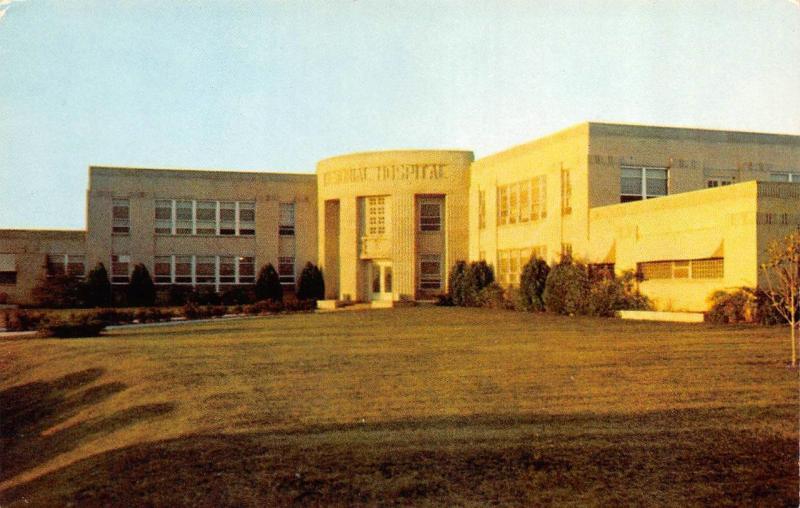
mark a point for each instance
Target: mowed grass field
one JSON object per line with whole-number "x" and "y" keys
{"x": 420, "y": 406}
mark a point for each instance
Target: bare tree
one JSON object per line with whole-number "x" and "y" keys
{"x": 782, "y": 272}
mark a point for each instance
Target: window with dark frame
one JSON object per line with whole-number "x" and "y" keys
{"x": 638, "y": 183}
{"x": 430, "y": 216}
{"x": 286, "y": 219}
{"x": 120, "y": 216}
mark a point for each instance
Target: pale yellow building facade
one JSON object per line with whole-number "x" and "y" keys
{"x": 690, "y": 210}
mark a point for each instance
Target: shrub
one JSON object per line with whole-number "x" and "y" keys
{"x": 482, "y": 274}
{"x": 74, "y": 326}
{"x": 456, "y": 282}
{"x": 23, "y": 321}
{"x": 98, "y": 287}
{"x": 237, "y": 295}
{"x": 466, "y": 282}
{"x": 299, "y": 305}
{"x": 444, "y": 300}
{"x": 311, "y": 284}
{"x": 141, "y": 290}
{"x": 59, "y": 291}
{"x": 567, "y": 287}
{"x": 114, "y": 316}
{"x": 268, "y": 284}
{"x": 610, "y": 294}
{"x": 178, "y": 295}
{"x": 204, "y": 295}
{"x": 264, "y": 307}
{"x": 532, "y": 284}
{"x": 732, "y": 307}
{"x": 153, "y": 315}
{"x": 216, "y": 310}
{"x": 3, "y": 298}
{"x": 744, "y": 305}
{"x": 493, "y": 297}
{"x": 192, "y": 311}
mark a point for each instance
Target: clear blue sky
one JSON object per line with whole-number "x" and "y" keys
{"x": 277, "y": 86}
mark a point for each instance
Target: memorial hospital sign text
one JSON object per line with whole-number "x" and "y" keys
{"x": 391, "y": 172}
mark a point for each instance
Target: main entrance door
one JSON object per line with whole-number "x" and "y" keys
{"x": 380, "y": 276}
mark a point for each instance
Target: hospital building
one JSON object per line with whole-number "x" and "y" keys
{"x": 692, "y": 211}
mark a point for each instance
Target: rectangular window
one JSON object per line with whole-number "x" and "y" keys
{"x": 542, "y": 196}
{"x": 227, "y": 218}
{"x": 247, "y": 270}
{"x": 205, "y": 269}
{"x": 503, "y": 268}
{"x": 709, "y": 268}
{"x": 502, "y": 205}
{"x": 430, "y": 272}
{"x": 712, "y": 268}
{"x": 120, "y": 268}
{"x": 286, "y": 270}
{"x": 680, "y": 269}
{"x": 566, "y": 193}
{"x": 524, "y": 201}
{"x": 538, "y": 198}
{"x": 120, "y": 217}
{"x": 513, "y": 203}
{"x": 638, "y": 183}
{"x": 164, "y": 220}
{"x": 481, "y": 209}
{"x": 56, "y": 265}
{"x": 76, "y": 265}
{"x": 430, "y": 216}
{"x": 227, "y": 270}
{"x": 184, "y": 217}
{"x": 785, "y": 177}
{"x": 247, "y": 218}
{"x": 286, "y": 223}
{"x": 183, "y": 270}
{"x": 162, "y": 268}
{"x": 376, "y": 215}
{"x": 206, "y": 218}
{"x": 513, "y": 267}
{"x": 8, "y": 268}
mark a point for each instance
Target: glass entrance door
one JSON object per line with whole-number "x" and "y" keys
{"x": 380, "y": 280}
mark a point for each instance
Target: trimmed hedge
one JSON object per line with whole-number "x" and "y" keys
{"x": 73, "y": 327}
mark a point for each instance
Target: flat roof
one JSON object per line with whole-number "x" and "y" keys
{"x": 198, "y": 173}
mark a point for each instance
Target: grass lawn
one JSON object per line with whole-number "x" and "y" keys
{"x": 425, "y": 406}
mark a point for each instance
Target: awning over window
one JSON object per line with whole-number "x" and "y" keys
{"x": 8, "y": 262}
{"x": 699, "y": 244}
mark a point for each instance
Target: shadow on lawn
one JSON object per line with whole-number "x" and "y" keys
{"x": 576, "y": 459}
{"x": 27, "y": 411}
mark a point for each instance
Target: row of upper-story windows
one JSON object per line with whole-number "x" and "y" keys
{"x": 517, "y": 203}
{"x": 188, "y": 217}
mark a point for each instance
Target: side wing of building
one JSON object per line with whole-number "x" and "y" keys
{"x": 203, "y": 228}
{"x": 28, "y": 255}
